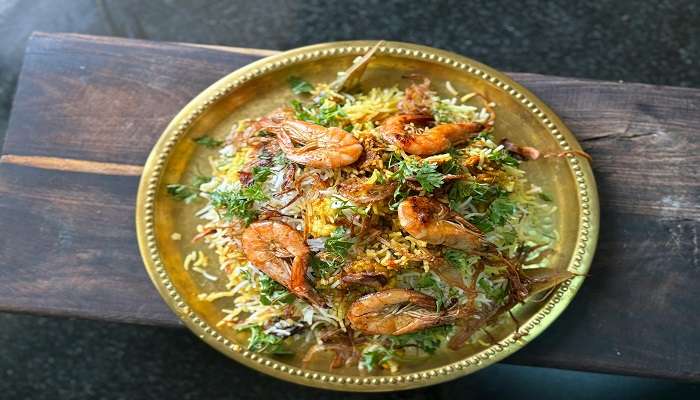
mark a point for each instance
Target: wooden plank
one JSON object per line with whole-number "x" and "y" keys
{"x": 69, "y": 247}
{"x": 88, "y": 110}
{"x": 106, "y": 100}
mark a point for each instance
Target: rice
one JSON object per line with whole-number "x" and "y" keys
{"x": 310, "y": 201}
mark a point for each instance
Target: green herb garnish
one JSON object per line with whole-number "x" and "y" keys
{"x": 480, "y": 193}
{"x": 327, "y": 267}
{"x": 339, "y": 243}
{"x": 272, "y": 292}
{"x": 261, "y": 342}
{"x": 428, "y": 340}
{"x": 341, "y": 204}
{"x": 187, "y": 193}
{"x": 495, "y": 293}
{"x": 323, "y": 112}
{"x": 461, "y": 260}
{"x": 497, "y": 214}
{"x": 426, "y": 174}
{"x": 208, "y": 142}
{"x": 503, "y": 157}
{"x": 375, "y": 357}
{"x": 432, "y": 287}
{"x": 299, "y": 86}
{"x": 501, "y": 210}
{"x": 239, "y": 203}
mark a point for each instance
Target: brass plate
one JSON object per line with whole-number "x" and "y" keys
{"x": 261, "y": 86}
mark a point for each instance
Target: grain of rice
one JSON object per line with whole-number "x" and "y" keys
{"x": 450, "y": 89}
{"x": 205, "y": 274}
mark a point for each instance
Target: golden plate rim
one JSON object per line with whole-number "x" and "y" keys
{"x": 587, "y": 232}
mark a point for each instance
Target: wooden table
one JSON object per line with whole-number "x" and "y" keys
{"x": 88, "y": 109}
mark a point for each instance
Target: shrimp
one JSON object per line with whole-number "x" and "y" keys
{"x": 321, "y": 147}
{"x": 397, "y": 312}
{"x": 426, "y": 219}
{"x": 266, "y": 243}
{"x": 401, "y": 131}
{"x": 370, "y": 279}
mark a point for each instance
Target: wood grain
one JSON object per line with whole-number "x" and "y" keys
{"x": 69, "y": 246}
{"x": 67, "y": 164}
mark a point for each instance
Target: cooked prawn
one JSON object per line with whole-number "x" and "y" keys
{"x": 321, "y": 147}
{"x": 267, "y": 243}
{"x": 402, "y": 131}
{"x": 397, "y": 312}
{"x": 427, "y": 219}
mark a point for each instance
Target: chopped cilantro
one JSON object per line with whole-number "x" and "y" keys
{"x": 260, "y": 174}
{"x": 339, "y": 203}
{"x": 239, "y": 203}
{"x": 426, "y": 174}
{"x": 453, "y": 165}
{"x": 182, "y": 192}
{"x": 299, "y": 85}
{"x": 261, "y": 342}
{"x": 400, "y": 194}
{"x": 483, "y": 223}
{"x": 208, "y": 142}
{"x": 280, "y": 160}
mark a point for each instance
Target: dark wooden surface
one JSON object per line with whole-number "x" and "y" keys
{"x": 88, "y": 110}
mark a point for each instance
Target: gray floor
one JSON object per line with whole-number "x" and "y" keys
{"x": 654, "y": 42}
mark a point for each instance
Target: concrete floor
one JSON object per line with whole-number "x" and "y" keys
{"x": 654, "y": 42}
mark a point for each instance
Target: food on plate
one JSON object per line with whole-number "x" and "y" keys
{"x": 363, "y": 227}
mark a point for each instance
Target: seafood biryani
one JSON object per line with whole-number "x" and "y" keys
{"x": 367, "y": 226}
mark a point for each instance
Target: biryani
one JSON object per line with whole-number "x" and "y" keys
{"x": 363, "y": 227}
